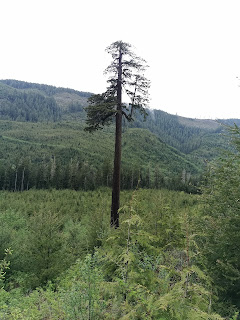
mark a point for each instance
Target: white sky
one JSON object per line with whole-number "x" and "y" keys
{"x": 191, "y": 46}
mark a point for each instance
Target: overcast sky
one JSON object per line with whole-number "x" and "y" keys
{"x": 191, "y": 46}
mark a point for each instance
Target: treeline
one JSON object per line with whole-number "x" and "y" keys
{"x": 47, "y": 89}
{"x": 81, "y": 175}
{"x": 24, "y": 101}
{"x": 33, "y": 107}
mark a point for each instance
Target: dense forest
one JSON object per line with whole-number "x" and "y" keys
{"x": 176, "y": 253}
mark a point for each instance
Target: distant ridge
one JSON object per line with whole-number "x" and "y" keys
{"x": 194, "y": 140}
{"x": 47, "y": 89}
{"x": 24, "y": 101}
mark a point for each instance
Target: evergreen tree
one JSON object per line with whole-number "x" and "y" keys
{"x": 126, "y": 73}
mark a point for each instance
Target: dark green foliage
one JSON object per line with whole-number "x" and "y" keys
{"x": 100, "y": 111}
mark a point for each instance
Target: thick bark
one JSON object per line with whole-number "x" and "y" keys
{"x": 118, "y": 150}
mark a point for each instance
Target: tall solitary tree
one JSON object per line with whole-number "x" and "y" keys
{"x": 126, "y": 75}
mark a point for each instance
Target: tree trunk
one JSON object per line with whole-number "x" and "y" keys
{"x": 15, "y": 183}
{"x": 118, "y": 150}
{"x": 22, "y": 182}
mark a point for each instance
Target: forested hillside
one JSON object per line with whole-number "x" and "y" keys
{"x": 23, "y": 101}
{"x": 190, "y": 136}
{"x": 43, "y": 143}
{"x": 176, "y": 253}
{"x": 23, "y": 106}
{"x": 63, "y": 155}
{"x": 184, "y": 134}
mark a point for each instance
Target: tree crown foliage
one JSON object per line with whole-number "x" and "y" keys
{"x": 103, "y": 107}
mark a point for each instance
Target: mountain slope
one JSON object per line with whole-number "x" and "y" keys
{"x": 46, "y": 130}
{"x": 23, "y": 101}
{"x": 139, "y": 145}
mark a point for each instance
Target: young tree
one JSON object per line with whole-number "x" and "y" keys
{"x": 126, "y": 73}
